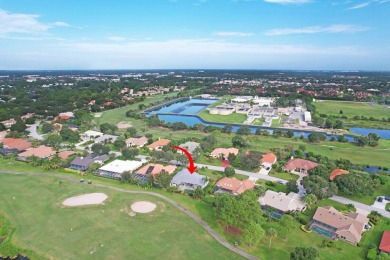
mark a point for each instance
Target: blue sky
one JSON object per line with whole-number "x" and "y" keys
{"x": 195, "y": 34}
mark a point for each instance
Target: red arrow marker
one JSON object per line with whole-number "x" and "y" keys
{"x": 192, "y": 167}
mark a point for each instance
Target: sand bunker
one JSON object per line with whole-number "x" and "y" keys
{"x": 86, "y": 199}
{"x": 143, "y": 207}
{"x": 124, "y": 124}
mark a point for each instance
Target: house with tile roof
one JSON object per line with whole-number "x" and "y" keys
{"x": 280, "y": 202}
{"x": 106, "y": 139}
{"x": 268, "y": 159}
{"x": 184, "y": 180}
{"x": 41, "y": 152}
{"x": 65, "y": 154}
{"x": 223, "y": 152}
{"x": 329, "y": 222}
{"x": 234, "y": 186}
{"x": 384, "y": 246}
{"x": 190, "y": 147}
{"x": 337, "y": 172}
{"x": 152, "y": 169}
{"x": 159, "y": 144}
{"x": 138, "y": 141}
{"x": 16, "y": 143}
{"x": 300, "y": 165}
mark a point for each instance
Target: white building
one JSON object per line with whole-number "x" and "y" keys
{"x": 115, "y": 168}
{"x": 263, "y": 101}
{"x": 307, "y": 116}
{"x": 91, "y": 135}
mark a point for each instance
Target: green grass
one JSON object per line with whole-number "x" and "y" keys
{"x": 285, "y": 176}
{"x": 278, "y": 122}
{"x": 382, "y": 190}
{"x": 33, "y": 204}
{"x": 388, "y": 206}
{"x": 351, "y": 109}
{"x": 228, "y": 119}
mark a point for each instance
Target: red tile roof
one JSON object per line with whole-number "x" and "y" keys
{"x": 385, "y": 242}
{"x": 19, "y": 144}
{"x": 300, "y": 164}
{"x": 158, "y": 168}
{"x": 268, "y": 158}
{"x": 65, "y": 154}
{"x": 158, "y": 143}
{"x": 40, "y": 152}
{"x": 337, "y": 172}
{"x": 234, "y": 185}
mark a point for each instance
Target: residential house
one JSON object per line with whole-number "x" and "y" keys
{"x": 280, "y": 203}
{"x": 65, "y": 116}
{"x": 8, "y": 123}
{"x": 223, "y": 152}
{"x": 152, "y": 169}
{"x": 301, "y": 165}
{"x": 41, "y": 152}
{"x": 384, "y": 246}
{"x": 331, "y": 223}
{"x": 104, "y": 139}
{"x": 83, "y": 163}
{"x": 268, "y": 159}
{"x": 65, "y": 154}
{"x": 138, "y": 141}
{"x": 91, "y": 135}
{"x": 116, "y": 168}
{"x": 159, "y": 144}
{"x": 16, "y": 143}
{"x": 234, "y": 186}
{"x": 190, "y": 147}
{"x": 185, "y": 180}
{"x": 337, "y": 172}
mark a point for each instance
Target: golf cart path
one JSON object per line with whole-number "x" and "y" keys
{"x": 174, "y": 203}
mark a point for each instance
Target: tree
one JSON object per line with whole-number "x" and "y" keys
{"x": 163, "y": 179}
{"x": 68, "y": 135}
{"x": 320, "y": 170}
{"x": 341, "y": 112}
{"x": 19, "y": 126}
{"x": 319, "y": 186}
{"x": 315, "y": 137}
{"x": 309, "y": 199}
{"x": 108, "y": 128}
{"x": 100, "y": 149}
{"x": 30, "y": 120}
{"x": 129, "y": 153}
{"x": 47, "y": 128}
{"x": 126, "y": 177}
{"x": 2, "y": 127}
{"x": 229, "y": 171}
{"x": 198, "y": 193}
{"x": 244, "y": 130}
{"x": 353, "y": 184}
{"x": 251, "y": 159}
{"x": 132, "y": 131}
{"x": 53, "y": 140}
{"x": 304, "y": 253}
{"x": 287, "y": 221}
{"x": 271, "y": 233}
{"x": 360, "y": 140}
{"x": 227, "y": 129}
{"x": 153, "y": 121}
{"x": 292, "y": 186}
{"x": 253, "y": 233}
{"x": 290, "y": 133}
{"x": 239, "y": 141}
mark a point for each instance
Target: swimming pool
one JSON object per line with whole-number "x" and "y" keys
{"x": 322, "y": 232}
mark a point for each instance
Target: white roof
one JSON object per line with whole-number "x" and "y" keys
{"x": 93, "y": 133}
{"x": 119, "y": 166}
{"x": 281, "y": 201}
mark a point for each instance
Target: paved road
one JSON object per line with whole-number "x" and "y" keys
{"x": 174, "y": 203}
{"x": 360, "y": 205}
{"x": 249, "y": 174}
{"x": 33, "y": 132}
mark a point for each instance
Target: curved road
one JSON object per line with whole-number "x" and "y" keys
{"x": 174, "y": 203}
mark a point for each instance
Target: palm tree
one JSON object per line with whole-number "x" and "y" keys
{"x": 272, "y": 233}
{"x": 309, "y": 199}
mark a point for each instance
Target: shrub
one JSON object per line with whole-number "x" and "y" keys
{"x": 371, "y": 255}
{"x": 210, "y": 199}
{"x": 74, "y": 171}
{"x": 304, "y": 229}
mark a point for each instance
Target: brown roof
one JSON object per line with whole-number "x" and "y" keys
{"x": 224, "y": 151}
{"x": 385, "y": 242}
{"x": 235, "y": 186}
{"x": 337, "y": 172}
{"x": 40, "y": 152}
{"x": 350, "y": 226}
{"x": 137, "y": 141}
{"x": 158, "y": 143}
{"x": 65, "y": 154}
{"x": 158, "y": 168}
{"x": 19, "y": 144}
{"x": 297, "y": 163}
{"x": 268, "y": 158}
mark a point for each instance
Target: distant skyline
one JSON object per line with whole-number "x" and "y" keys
{"x": 195, "y": 34}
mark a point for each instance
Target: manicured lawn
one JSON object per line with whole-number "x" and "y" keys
{"x": 33, "y": 205}
{"x": 229, "y": 119}
{"x": 351, "y": 109}
{"x": 285, "y": 176}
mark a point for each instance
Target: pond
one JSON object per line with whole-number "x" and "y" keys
{"x": 385, "y": 134}
{"x": 183, "y": 106}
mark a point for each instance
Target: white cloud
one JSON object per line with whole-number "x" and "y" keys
{"x": 116, "y": 38}
{"x": 20, "y": 23}
{"x": 288, "y": 1}
{"x": 358, "y": 6}
{"x": 367, "y": 3}
{"x": 60, "y": 24}
{"x": 337, "y": 28}
{"x": 235, "y": 34}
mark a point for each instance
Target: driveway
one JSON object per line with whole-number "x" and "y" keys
{"x": 380, "y": 205}
{"x": 33, "y": 131}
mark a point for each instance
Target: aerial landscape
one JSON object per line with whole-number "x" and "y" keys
{"x": 195, "y": 129}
